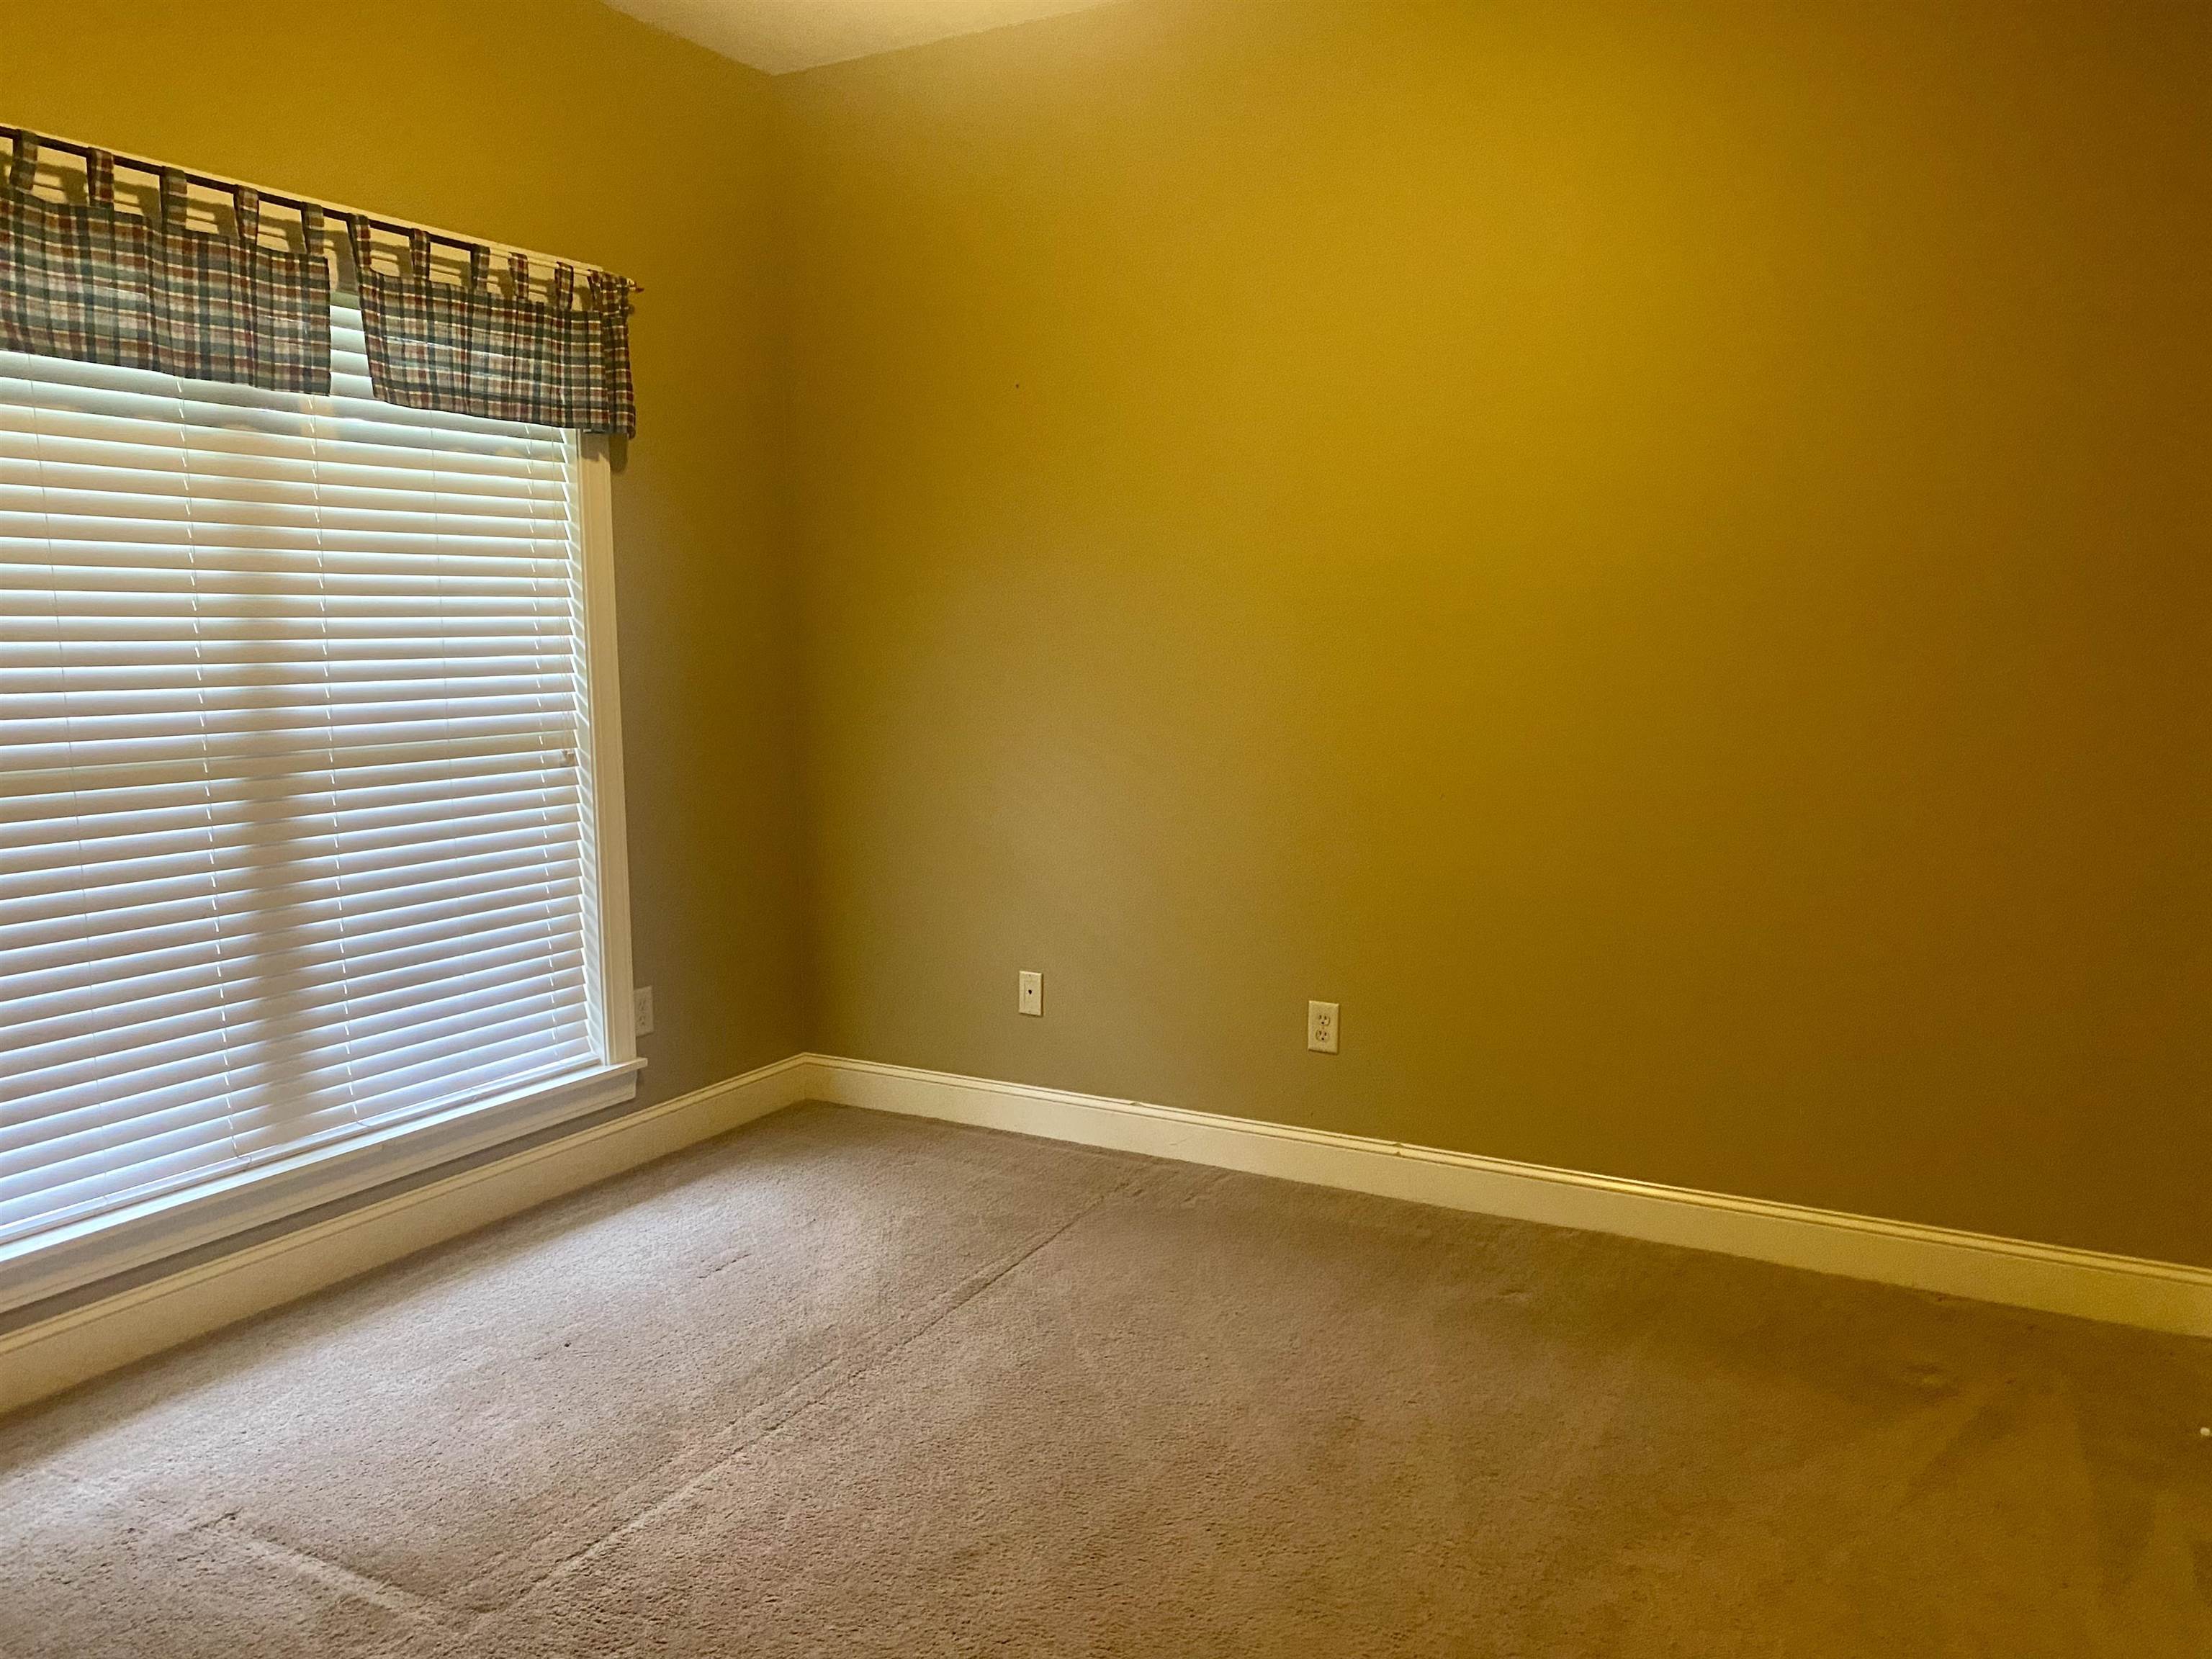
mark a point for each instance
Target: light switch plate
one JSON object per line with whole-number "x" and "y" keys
{"x": 640, "y": 1004}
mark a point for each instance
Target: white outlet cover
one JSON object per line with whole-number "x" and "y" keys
{"x": 1031, "y": 999}
{"x": 642, "y": 1010}
{"x": 1321, "y": 1027}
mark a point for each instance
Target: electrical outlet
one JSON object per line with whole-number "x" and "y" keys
{"x": 640, "y": 1007}
{"x": 1032, "y": 994}
{"x": 1320, "y": 1027}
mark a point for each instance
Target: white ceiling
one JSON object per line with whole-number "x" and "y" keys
{"x": 782, "y": 35}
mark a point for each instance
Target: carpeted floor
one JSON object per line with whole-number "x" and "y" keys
{"x": 850, "y": 1384}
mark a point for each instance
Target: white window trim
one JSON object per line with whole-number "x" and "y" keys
{"x": 82, "y": 1253}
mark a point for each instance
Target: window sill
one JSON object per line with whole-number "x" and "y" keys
{"x": 80, "y": 1253}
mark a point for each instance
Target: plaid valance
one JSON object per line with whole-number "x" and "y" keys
{"x": 473, "y": 350}
{"x": 89, "y": 281}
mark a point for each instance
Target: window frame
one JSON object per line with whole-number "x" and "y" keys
{"x": 75, "y": 1254}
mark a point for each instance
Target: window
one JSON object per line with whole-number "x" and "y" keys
{"x": 311, "y": 865}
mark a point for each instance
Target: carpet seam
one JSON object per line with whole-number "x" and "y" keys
{"x": 975, "y": 1287}
{"x": 227, "y": 1532}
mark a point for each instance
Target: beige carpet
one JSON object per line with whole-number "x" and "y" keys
{"x": 846, "y": 1384}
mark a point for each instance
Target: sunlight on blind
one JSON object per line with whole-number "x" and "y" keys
{"x": 293, "y": 830}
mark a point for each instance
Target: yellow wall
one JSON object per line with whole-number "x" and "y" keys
{"x": 562, "y": 125}
{"x": 1661, "y": 554}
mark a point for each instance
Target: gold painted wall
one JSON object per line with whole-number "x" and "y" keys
{"x": 1659, "y": 554}
{"x": 562, "y": 126}
{"x": 1662, "y": 555}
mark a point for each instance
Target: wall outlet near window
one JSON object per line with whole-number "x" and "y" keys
{"x": 1032, "y": 994}
{"x": 640, "y": 1003}
{"x": 1320, "y": 1027}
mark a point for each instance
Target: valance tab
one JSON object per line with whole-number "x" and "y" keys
{"x": 91, "y": 281}
{"x": 473, "y": 350}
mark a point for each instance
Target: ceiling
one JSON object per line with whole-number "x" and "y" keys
{"x": 782, "y": 35}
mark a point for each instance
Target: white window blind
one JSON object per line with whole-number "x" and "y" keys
{"x": 295, "y": 830}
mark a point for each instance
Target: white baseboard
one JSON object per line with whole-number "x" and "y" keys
{"x": 2121, "y": 1290}
{"x": 43, "y": 1358}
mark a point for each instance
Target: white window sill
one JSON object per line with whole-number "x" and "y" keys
{"x": 80, "y": 1253}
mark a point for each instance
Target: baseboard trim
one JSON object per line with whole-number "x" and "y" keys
{"x": 2155, "y": 1296}
{"x": 44, "y": 1357}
